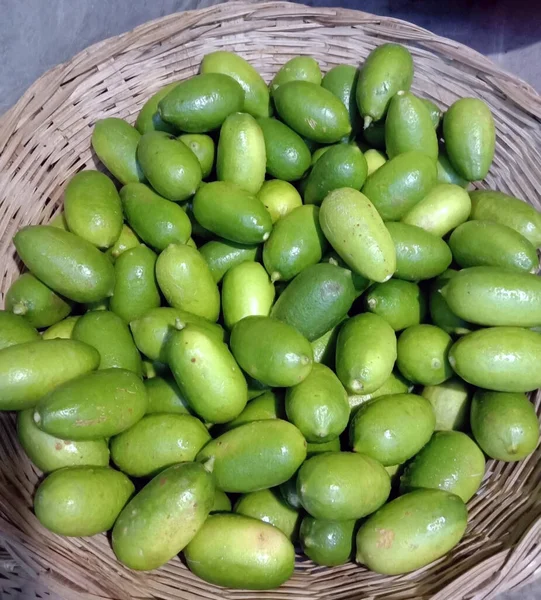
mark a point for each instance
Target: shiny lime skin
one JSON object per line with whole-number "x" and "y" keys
{"x": 83, "y": 275}
{"x": 401, "y": 303}
{"x": 201, "y": 103}
{"x": 164, "y": 396}
{"x": 300, "y": 68}
{"x": 50, "y": 453}
{"x": 397, "y": 186}
{"x": 419, "y": 253}
{"x": 504, "y": 359}
{"x": 431, "y": 366}
{"x": 32, "y": 369}
{"x": 342, "y": 82}
{"x": 440, "y": 313}
{"x": 14, "y": 329}
{"x": 158, "y": 441}
{"x": 493, "y": 296}
{"x": 240, "y": 552}
{"x": 94, "y": 406}
{"x": 110, "y": 335}
{"x": 451, "y": 461}
{"x": 328, "y": 543}
{"x": 433, "y": 520}
{"x": 342, "y": 486}
{"x": 237, "y": 468}
{"x": 392, "y": 429}
{"x": 203, "y": 147}
{"x": 149, "y": 119}
{"x": 81, "y": 501}
{"x": 505, "y": 425}
{"x": 284, "y": 360}
{"x": 451, "y": 402}
{"x": 222, "y": 255}
{"x": 145, "y": 536}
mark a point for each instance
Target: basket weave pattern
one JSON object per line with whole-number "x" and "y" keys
{"x": 45, "y": 139}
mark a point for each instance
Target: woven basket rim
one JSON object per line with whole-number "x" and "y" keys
{"x": 507, "y": 567}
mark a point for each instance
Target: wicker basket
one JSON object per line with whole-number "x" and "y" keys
{"x": 45, "y": 139}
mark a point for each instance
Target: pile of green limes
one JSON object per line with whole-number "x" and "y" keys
{"x": 265, "y": 317}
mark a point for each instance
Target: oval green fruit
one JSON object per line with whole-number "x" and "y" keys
{"x": 288, "y": 157}
{"x": 441, "y": 314}
{"x": 207, "y": 374}
{"x": 186, "y": 281}
{"x": 94, "y": 406}
{"x": 392, "y": 429}
{"x": 342, "y": 166}
{"x": 235, "y": 551}
{"x": 32, "y": 369}
{"x": 268, "y": 405}
{"x": 295, "y": 243}
{"x": 145, "y": 536}
{"x": 158, "y": 441}
{"x": 419, "y": 253}
{"x": 445, "y": 207}
{"x": 59, "y": 221}
{"x": 318, "y": 406}
{"x": 256, "y": 93}
{"x": 395, "y": 384}
{"x": 365, "y": 353}
{"x": 171, "y": 167}
{"x": 342, "y": 486}
{"x": 359, "y": 282}
{"x": 356, "y": 231}
{"x": 126, "y": 240}
{"x": 115, "y": 142}
{"x": 157, "y": 221}
{"x": 446, "y": 171}
{"x": 246, "y": 290}
{"x": 488, "y": 205}
{"x": 280, "y": 198}
{"x": 269, "y": 506}
{"x": 203, "y": 148}
{"x": 328, "y": 543}
{"x": 201, "y": 103}
{"x": 402, "y": 182}
{"x": 164, "y": 396}
{"x": 387, "y": 70}
{"x": 401, "y": 303}
{"x": 237, "y": 468}
{"x": 82, "y": 501}
{"x": 149, "y": 118}
{"x": 65, "y": 262}
{"x": 470, "y": 137}
{"x": 223, "y": 255}
{"x": 490, "y": 244}
{"x": 477, "y": 358}
{"x": 300, "y": 68}
{"x": 28, "y": 297}
{"x": 111, "y": 337}
{"x": 374, "y": 160}
{"x": 92, "y": 208}
{"x": 431, "y": 366}
{"x": 312, "y": 111}
{"x": 451, "y": 404}
{"x": 136, "y": 289}
{"x": 493, "y": 296}
{"x": 316, "y": 300}
{"x": 151, "y": 332}
{"x": 342, "y": 82}
{"x": 505, "y": 425}
{"x": 288, "y": 489}
{"x": 284, "y": 360}
{"x": 408, "y": 126}
{"x": 451, "y": 461}
{"x": 232, "y": 213}
{"x": 432, "y": 520}
{"x": 15, "y": 330}
{"x": 241, "y": 157}
{"x": 50, "y": 453}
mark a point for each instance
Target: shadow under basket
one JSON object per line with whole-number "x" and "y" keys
{"x": 45, "y": 139}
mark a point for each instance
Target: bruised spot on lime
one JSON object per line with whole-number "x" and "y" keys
{"x": 385, "y": 538}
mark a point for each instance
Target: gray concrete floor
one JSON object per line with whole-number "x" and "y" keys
{"x": 36, "y": 35}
